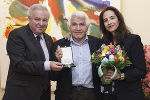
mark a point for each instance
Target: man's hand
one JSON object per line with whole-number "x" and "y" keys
{"x": 58, "y": 53}
{"x": 68, "y": 36}
{"x": 55, "y": 66}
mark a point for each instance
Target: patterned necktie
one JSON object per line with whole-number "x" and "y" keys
{"x": 38, "y": 39}
{"x": 46, "y": 82}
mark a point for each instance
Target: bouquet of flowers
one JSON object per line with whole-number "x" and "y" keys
{"x": 146, "y": 81}
{"x": 110, "y": 57}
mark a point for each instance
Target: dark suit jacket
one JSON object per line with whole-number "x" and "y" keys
{"x": 130, "y": 88}
{"x": 64, "y": 78}
{"x": 26, "y": 74}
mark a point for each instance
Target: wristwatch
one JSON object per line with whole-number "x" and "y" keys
{"x": 122, "y": 76}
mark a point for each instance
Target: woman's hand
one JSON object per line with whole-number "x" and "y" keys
{"x": 110, "y": 74}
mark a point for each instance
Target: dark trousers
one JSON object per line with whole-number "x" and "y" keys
{"x": 108, "y": 97}
{"x": 83, "y": 94}
{"x": 45, "y": 95}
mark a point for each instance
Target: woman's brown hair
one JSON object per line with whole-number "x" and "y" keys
{"x": 121, "y": 32}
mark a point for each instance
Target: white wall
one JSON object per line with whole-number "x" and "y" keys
{"x": 137, "y": 17}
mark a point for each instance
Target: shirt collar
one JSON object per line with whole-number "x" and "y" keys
{"x": 71, "y": 39}
{"x": 42, "y": 37}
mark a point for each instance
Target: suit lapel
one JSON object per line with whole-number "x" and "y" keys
{"x": 90, "y": 44}
{"x": 92, "y": 47}
{"x": 34, "y": 42}
{"x": 48, "y": 42}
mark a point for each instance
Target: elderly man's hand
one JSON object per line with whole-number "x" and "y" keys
{"x": 58, "y": 53}
{"x": 68, "y": 36}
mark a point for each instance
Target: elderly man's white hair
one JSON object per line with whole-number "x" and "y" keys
{"x": 79, "y": 14}
{"x": 38, "y": 6}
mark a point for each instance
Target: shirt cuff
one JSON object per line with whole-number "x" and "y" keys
{"x": 47, "y": 65}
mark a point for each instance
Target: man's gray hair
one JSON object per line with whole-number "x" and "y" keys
{"x": 79, "y": 14}
{"x": 38, "y": 6}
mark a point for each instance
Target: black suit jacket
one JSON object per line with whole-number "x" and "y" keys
{"x": 130, "y": 88}
{"x": 64, "y": 78}
{"x": 26, "y": 74}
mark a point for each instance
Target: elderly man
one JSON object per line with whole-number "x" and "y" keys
{"x": 76, "y": 83}
{"x": 30, "y": 51}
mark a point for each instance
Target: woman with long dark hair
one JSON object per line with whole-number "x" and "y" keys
{"x": 127, "y": 84}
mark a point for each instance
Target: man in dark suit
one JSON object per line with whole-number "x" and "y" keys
{"x": 76, "y": 83}
{"x": 30, "y": 58}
